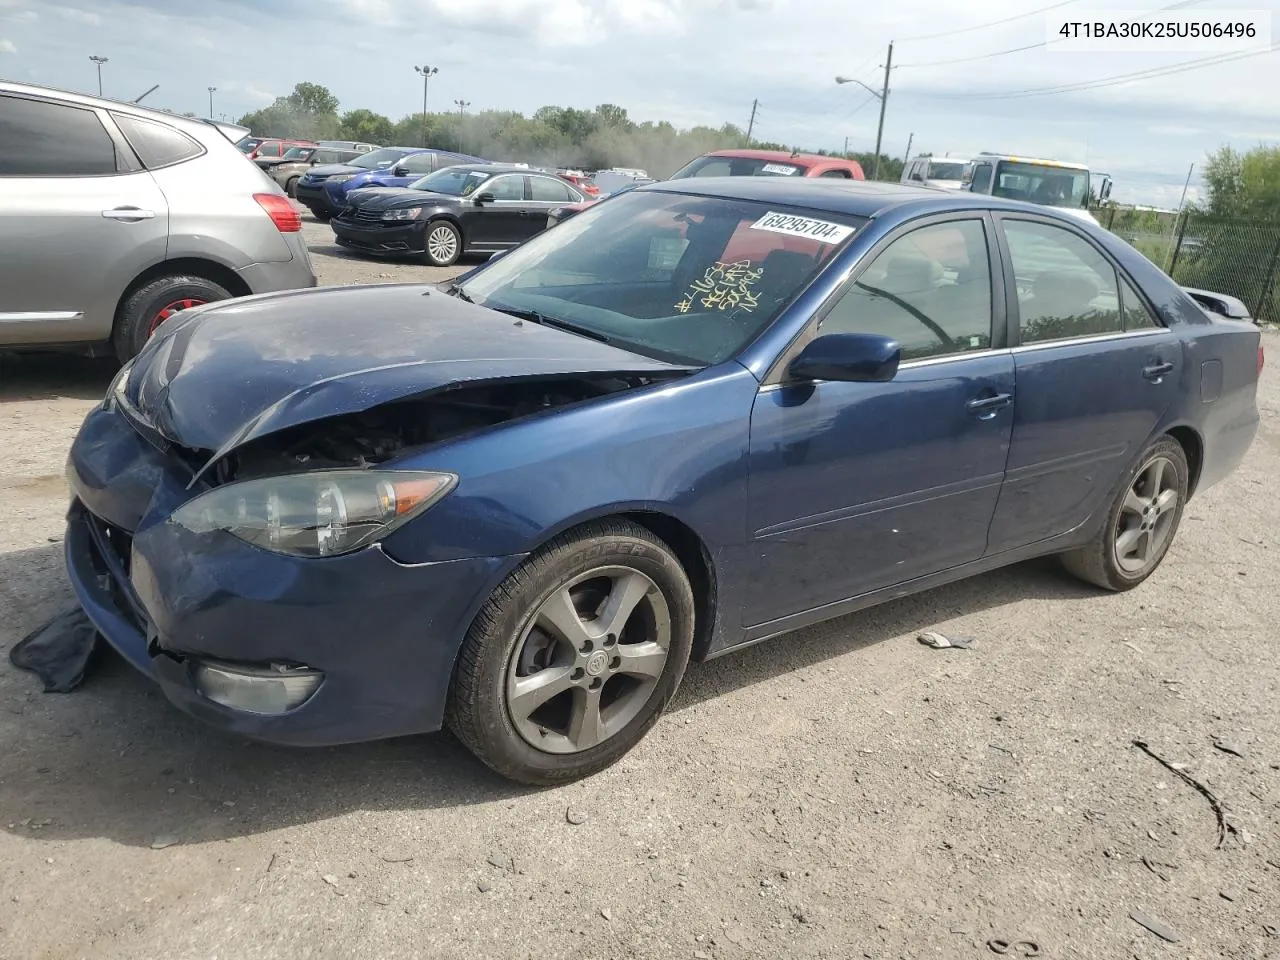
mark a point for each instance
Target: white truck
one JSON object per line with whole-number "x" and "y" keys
{"x": 1050, "y": 183}
{"x": 945, "y": 172}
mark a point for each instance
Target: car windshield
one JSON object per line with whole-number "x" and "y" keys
{"x": 298, "y": 153}
{"x": 1049, "y": 186}
{"x": 454, "y": 181}
{"x": 946, "y": 169}
{"x": 712, "y": 166}
{"x": 690, "y": 279}
{"x": 372, "y": 161}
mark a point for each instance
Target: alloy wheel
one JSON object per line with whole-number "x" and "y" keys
{"x": 442, "y": 244}
{"x": 588, "y": 660}
{"x": 1147, "y": 517}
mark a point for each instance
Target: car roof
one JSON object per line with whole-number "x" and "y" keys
{"x": 781, "y": 156}
{"x": 858, "y": 198}
{"x": 127, "y": 106}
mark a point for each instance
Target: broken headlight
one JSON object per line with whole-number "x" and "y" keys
{"x": 319, "y": 514}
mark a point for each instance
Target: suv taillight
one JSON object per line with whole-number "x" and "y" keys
{"x": 281, "y": 212}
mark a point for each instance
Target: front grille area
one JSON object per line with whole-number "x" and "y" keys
{"x": 366, "y": 216}
{"x": 112, "y": 554}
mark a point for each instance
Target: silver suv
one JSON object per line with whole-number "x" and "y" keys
{"x": 114, "y": 217}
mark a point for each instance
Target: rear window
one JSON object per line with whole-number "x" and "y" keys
{"x": 739, "y": 167}
{"x": 156, "y": 144}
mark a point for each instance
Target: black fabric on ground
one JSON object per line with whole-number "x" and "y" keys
{"x": 58, "y": 652}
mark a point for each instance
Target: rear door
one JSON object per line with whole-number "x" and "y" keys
{"x": 502, "y": 221}
{"x": 81, "y": 219}
{"x": 1095, "y": 373}
{"x": 545, "y": 195}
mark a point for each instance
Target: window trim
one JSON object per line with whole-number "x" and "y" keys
{"x": 126, "y": 161}
{"x": 1011, "y": 285}
{"x": 484, "y": 187}
{"x": 777, "y": 372}
{"x": 201, "y": 150}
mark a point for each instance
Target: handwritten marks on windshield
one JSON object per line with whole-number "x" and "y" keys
{"x": 724, "y": 286}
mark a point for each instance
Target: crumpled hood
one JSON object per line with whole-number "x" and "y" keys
{"x": 218, "y": 376}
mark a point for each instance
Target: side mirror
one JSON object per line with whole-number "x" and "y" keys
{"x": 848, "y": 357}
{"x": 400, "y": 171}
{"x": 484, "y": 198}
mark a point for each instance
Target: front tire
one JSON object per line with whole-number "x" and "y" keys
{"x": 574, "y": 656}
{"x": 1141, "y": 522}
{"x": 442, "y": 244}
{"x": 291, "y": 187}
{"x": 153, "y": 303}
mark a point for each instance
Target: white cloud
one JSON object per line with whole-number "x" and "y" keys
{"x": 18, "y": 16}
{"x": 6, "y": 46}
{"x": 1174, "y": 130}
{"x": 76, "y": 15}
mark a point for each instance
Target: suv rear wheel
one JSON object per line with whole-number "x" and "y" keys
{"x": 153, "y": 303}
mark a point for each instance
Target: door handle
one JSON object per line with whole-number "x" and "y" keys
{"x": 987, "y": 407}
{"x": 1156, "y": 371}
{"x": 129, "y": 214}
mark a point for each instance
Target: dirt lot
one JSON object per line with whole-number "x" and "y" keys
{"x": 842, "y": 792}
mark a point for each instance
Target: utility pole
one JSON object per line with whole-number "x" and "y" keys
{"x": 910, "y": 138}
{"x": 427, "y": 73}
{"x": 212, "y": 91}
{"x": 884, "y": 98}
{"x": 1173, "y": 248}
{"x": 752, "y": 124}
{"x": 99, "y": 61}
{"x": 846, "y": 148}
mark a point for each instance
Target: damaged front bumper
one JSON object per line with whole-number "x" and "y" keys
{"x": 183, "y": 608}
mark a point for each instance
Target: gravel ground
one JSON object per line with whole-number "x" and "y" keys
{"x": 840, "y": 792}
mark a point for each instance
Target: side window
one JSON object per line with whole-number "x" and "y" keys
{"x": 1066, "y": 288}
{"x": 53, "y": 140}
{"x": 546, "y": 190}
{"x": 719, "y": 167}
{"x": 505, "y": 188}
{"x": 839, "y": 174}
{"x": 1137, "y": 315}
{"x": 156, "y": 144}
{"x": 930, "y": 290}
{"x": 917, "y": 172}
{"x": 418, "y": 163}
{"x": 981, "y": 178}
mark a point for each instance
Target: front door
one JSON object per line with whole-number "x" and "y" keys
{"x": 78, "y": 216}
{"x": 858, "y": 486}
{"x": 1096, "y": 371}
{"x": 500, "y": 222}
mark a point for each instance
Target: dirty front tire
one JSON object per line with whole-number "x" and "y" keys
{"x": 291, "y": 187}
{"x": 1141, "y": 522}
{"x": 603, "y": 615}
{"x": 153, "y": 303}
{"x": 442, "y": 243}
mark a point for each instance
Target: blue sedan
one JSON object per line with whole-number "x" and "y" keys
{"x": 701, "y": 415}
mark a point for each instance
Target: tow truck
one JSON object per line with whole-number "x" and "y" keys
{"x": 1050, "y": 183}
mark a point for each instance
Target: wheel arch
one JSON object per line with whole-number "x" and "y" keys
{"x": 209, "y": 270}
{"x": 453, "y": 219}
{"x": 1193, "y": 447}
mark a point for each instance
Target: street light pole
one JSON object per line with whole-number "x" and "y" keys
{"x": 99, "y": 61}
{"x": 883, "y": 96}
{"x": 427, "y": 73}
{"x": 462, "y": 107}
{"x": 212, "y": 91}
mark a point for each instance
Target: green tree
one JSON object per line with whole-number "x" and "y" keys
{"x": 311, "y": 112}
{"x": 367, "y": 126}
{"x": 312, "y": 99}
{"x": 1243, "y": 184}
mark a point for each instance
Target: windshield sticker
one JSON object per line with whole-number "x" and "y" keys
{"x": 821, "y": 230}
{"x": 781, "y": 169}
{"x": 725, "y": 286}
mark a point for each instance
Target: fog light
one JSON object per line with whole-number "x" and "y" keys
{"x": 268, "y": 690}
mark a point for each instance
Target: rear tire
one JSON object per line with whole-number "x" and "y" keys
{"x": 443, "y": 243}
{"x": 1141, "y": 522}
{"x": 606, "y": 616}
{"x": 153, "y": 303}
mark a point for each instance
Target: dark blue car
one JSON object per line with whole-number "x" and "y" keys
{"x": 697, "y": 416}
{"x": 410, "y": 168}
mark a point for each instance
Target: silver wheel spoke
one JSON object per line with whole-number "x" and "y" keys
{"x": 626, "y": 592}
{"x": 586, "y": 729}
{"x": 560, "y": 617}
{"x": 1155, "y": 477}
{"x": 1127, "y": 542}
{"x": 642, "y": 659}
{"x": 1166, "y": 501}
{"x": 527, "y": 694}
{"x": 1134, "y": 503}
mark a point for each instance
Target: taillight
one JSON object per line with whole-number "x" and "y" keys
{"x": 281, "y": 212}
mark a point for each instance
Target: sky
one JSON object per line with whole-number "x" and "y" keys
{"x": 689, "y": 62}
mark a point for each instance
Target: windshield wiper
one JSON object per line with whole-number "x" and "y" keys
{"x": 455, "y": 290}
{"x": 533, "y": 316}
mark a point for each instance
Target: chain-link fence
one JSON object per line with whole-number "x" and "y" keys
{"x": 1237, "y": 257}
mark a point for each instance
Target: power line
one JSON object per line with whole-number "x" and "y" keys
{"x": 1149, "y": 74}
{"x": 1029, "y": 46}
{"x": 993, "y": 23}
